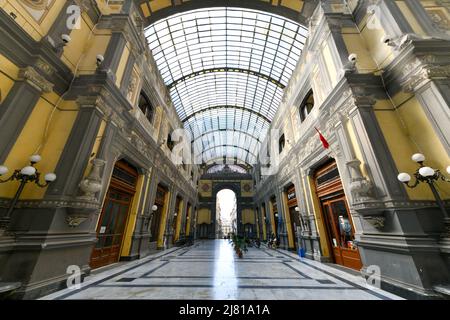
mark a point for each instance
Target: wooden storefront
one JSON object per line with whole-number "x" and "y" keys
{"x": 295, "y": 226}
{"x": 114, "y": 216}
{"x": 337, "y": 217}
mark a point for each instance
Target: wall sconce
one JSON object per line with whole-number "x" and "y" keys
{"x": 25, "y": 175}
{"x": 430, "y": 176}
{"x": 154, "y": 208}
{"x": 297, "y": 209}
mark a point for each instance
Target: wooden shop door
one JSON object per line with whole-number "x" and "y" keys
{"x": 337, "y": 217}
{"x": 341, "y": 232}
{"x": 293, "y": 215}
{"x": 114, "y": 216}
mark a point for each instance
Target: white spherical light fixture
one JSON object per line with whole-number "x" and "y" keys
{"x": 35, "y": 158}
{"x": 50, "y": 177}
{"x": 418, "y": 157}
{"x": 28, "y": 171}
{"x": 448, "y": 169}
{"x": 426, "y": 172}
{"x": 155, "y": 207}
{"x": 3, "y": 170}
{"x": 404, "y": 177}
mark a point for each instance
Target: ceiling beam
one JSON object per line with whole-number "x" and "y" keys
{"x": 223, "y": 130}
{"x": 226, "y": 69}
{"x": 227, "y": 107}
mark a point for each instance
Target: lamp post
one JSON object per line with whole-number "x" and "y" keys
{"x": 429, "y": 176}
{"x": 25, "y": 175}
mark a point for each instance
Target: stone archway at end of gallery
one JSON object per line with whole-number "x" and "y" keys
{"x": 236, "y": 188}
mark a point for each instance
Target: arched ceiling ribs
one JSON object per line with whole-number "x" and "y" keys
{"x": 299, "y": 11}
{"x": 227, "y": 107}
{"x": 227, "y": 69}
{"x": 227, "y": 145}
{"x": 234, "y": 160}
{"x": 220, "y": 160}
{"x": 225, "y": 130}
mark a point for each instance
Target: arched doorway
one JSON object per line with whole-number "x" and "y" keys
{"x": 226, "y": 213}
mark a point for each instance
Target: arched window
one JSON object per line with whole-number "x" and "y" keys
{"x": 146, "y": 107}
{"x": 281, "y": 143}
{"x": 170, "y": 143}
{"x": 306, "y": 106}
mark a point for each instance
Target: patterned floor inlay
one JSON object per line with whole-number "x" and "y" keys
{"x": 211, "y": 270}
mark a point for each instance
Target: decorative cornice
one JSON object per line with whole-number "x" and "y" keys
{"x": 52, "y": 204}
{"x": 83, "y": 4}
{"x": 35, "y": 79}
{"x": 422, "y": 69}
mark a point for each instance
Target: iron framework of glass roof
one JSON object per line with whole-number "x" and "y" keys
{"x": 226, "y": 69}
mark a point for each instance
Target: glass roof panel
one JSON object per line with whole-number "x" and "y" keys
{"x": 226, "y": 69}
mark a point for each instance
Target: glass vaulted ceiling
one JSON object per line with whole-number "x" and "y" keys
{"x": 226, "y": 69}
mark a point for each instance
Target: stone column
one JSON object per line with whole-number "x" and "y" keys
{"x": 78, "y": 148}
{"x": 397, "y": 235}
{"x": 168, "y": 231}
{"x": 18, "y": 105}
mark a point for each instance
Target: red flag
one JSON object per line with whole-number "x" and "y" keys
{"x": 325, "y": 143}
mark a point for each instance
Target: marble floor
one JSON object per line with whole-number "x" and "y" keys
{"x": 210, "y": 270}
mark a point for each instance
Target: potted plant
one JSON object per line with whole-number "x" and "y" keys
{"x": 240, "y": 245}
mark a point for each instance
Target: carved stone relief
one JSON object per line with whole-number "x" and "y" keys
{"x": 38, "y": 9}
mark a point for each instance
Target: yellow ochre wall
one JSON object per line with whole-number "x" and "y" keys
{"x": 162, "y": 225}
{"x": 204, "y": 216}
{"x": 36, "y": 29}
{"x": 32, "y": 136}
{"x": 132, "y": 217}
{"x": 408, "y": 131}
{"x": 188, "y": 221}
{"x": 248, "y": 216}
{"x": 178, "y": 221}
{"x": 8, "y": 75}
{"x": 318, "y": 218}
{"x": 81, "y": 52}
{"x": 263, "y": 213}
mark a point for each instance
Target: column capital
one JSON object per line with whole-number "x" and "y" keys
{"x": 35, "y": 79}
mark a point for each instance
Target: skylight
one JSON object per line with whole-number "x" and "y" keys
{"x": 226, "y": 69}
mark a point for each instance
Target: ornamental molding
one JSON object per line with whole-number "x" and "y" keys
{"x": 35, "y": 79}
{"x": 52, "y": 204}
{"x": 75, "y": 221}
{"x": 422, "y": 69}
{"x": 45, "y": 67}
{"x": 424, "y": 74}
{"x": 83, "y": 4}
{"x": 376, "y": 221}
